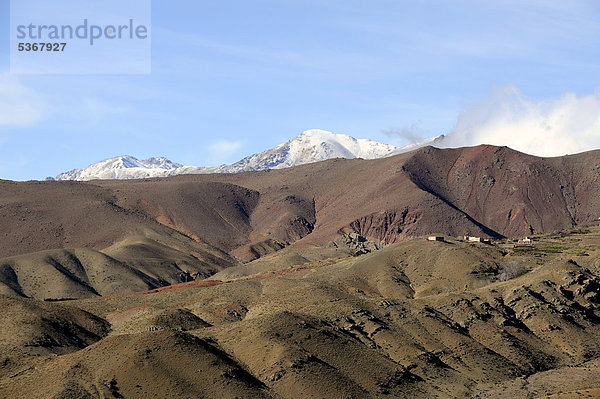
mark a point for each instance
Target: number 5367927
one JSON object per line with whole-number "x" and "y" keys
{"x": 42, "y": 46}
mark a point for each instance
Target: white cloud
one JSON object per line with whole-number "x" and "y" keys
{"x": 19, "y": 105}
{"x": 223, "y": 150}
{"x": 565, "y": 125}
{"x": 407, "y": 135}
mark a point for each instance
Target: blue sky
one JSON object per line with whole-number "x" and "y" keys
{"x": 234, "y": 78}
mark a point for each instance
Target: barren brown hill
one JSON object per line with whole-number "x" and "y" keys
{"x": 511, "y": 192}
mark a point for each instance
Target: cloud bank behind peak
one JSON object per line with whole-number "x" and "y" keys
{"x": 565, "y": 125}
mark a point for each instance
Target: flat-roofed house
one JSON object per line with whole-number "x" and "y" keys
{"x": 435, "y": 238}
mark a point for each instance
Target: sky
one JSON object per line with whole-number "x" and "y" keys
{"x": 238, "y": 77}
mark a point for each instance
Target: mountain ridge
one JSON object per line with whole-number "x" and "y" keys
{"x": 310, "y": 146}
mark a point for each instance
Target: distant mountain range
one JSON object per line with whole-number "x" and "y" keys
{"x": 310, "y": 146}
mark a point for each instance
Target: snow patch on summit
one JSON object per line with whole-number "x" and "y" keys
{"x": 312, "y": 146}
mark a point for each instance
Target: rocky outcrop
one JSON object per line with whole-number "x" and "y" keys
{"x": 388, "y": 227}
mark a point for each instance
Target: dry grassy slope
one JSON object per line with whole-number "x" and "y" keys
{"x": 137, "y": 263}
{"x": 166, "y": 260}
{"x": 163, "y": 364}
{"x": 60, "y": 273}
{"x": 32, "y": 328}
{"x": 415, "y": 319}
{"x": 139, "y": 252}
{"x": 574, "y": 382}
{"x": 450, "y": 266}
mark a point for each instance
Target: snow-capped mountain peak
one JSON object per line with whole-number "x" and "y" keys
{"x": 122, "y": 167}
{"x": 311, "y": 146}
{"x": 345, "y": 145}
{"x": 159, "y": 162}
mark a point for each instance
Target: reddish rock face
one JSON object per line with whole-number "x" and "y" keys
{"x": 510, "y": 192}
